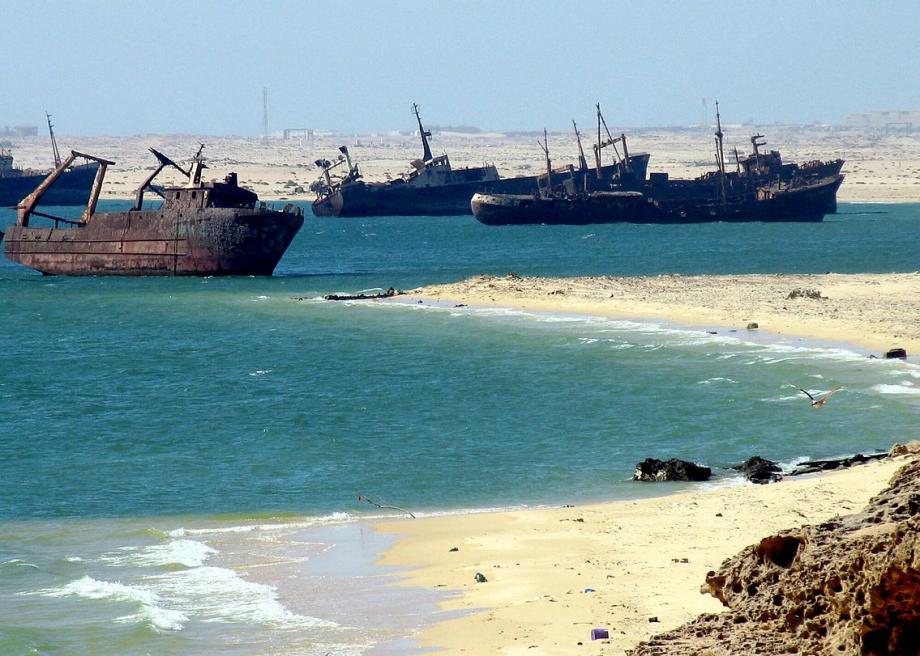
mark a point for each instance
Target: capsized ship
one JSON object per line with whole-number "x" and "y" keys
{"x": 72, "y": 187}
{"x": 762, "y": 188}
{"x": 201, "y": 228}
{"x": 433, "y": 187}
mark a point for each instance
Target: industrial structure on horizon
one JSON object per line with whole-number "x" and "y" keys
{"x": 889, "y": 122}
{"x": 19, "y": 131}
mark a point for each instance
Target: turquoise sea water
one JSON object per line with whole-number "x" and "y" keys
{"x": 181, "y": 457}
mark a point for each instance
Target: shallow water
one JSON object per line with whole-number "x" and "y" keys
{"x": 182, "y": 458}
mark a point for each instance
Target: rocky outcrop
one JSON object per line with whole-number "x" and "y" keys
{"x": 814, "y": 466}
{"x": 652, "y": 469}
{"x": 848, "y": 586}
{"x": 760, "y": 470}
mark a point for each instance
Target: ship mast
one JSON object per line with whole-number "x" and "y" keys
{"x": 597, "y": 146}
{"x": 582, "y": 162}
{"x": 54, "y": 147}
{"x": 426, "y": 149}
{"x": 610, "y": 141}
{"x": 720, "y": 153}
{"x": 549, "y": 166}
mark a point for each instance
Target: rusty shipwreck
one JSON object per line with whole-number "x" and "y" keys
{"x": 199, "y": 229}
{"x": 432, "y": 187}
{"x": 763, "y": 188}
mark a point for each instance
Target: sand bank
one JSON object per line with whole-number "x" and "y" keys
{"x": 876, "y": 311}
{"x": 554, "y": 574}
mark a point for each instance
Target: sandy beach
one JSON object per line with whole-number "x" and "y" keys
{"x": 632, "y": 567}
{"x": 636, "y": 567}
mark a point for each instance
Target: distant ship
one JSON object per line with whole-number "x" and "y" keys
{"x": 762, "y": 188}
{"x": 432, "y": 187}
{"x": 201, "y": 228}
{"x": 778, "y": 202}
{"x": 16, "y": 184}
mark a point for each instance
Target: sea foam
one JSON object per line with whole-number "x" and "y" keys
{"x": 217, "y": 594}
{"x": 332, "y": 518}
{"x": 188, "y": 553}
{"x": 906, "y": 388}
{"x": 150, "y": 610}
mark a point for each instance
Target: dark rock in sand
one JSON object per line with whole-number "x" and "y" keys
{"x": 480, "y": 578}
{"x": 898, "y": 353}
{"x": 839, "y": 463}
{"x": 652, "y": 469}
{"x": 760, "y": 470}
{"x": 848, "y": 586}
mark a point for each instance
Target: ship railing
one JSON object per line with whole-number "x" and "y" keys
{"x": 57, "y": 219}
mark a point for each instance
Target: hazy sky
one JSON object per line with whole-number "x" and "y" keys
{"x": 199, "y": 67}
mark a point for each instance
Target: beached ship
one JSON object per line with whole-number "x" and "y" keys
{"x": 72, "y": 188}
{"x": 433, "y": 187}
{"x": 762, "y": 188}
{"x": 200, "y": 228}
{"x": 778, "y": 202}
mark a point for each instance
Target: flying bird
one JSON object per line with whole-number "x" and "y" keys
{"x": 820, "y": 401}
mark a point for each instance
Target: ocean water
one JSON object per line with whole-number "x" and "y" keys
{"x": 181, "y": 458}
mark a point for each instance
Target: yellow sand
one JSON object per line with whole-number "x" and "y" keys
{"x": 643, "y": 559}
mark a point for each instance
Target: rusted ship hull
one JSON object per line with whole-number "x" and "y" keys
{"x": 805, "y": 203}
{"x": 207, "y": 241}
{"x": 360, "y": 199}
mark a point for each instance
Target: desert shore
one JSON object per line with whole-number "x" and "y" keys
{"x": 875, "y": 311}
{"x": 636, "y": 567}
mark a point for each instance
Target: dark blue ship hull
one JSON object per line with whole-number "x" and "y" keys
{"x": 72, "y": 188}
{"x": 399, "y": 199}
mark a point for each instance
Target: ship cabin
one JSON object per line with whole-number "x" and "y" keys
{"x": 6, "y": 164}
{"x": 437, "y": 172}
{"x": 210, "y": 194}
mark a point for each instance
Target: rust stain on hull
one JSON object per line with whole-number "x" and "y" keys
{"x": 207, "y": 242}
{"x": 202, "y": 228}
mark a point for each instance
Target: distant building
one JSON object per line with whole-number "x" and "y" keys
{"x": 301, "y": 134}
{"x": 896, "y": 121}
{"x": 19, "y": 131}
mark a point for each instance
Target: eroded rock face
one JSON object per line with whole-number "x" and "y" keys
{"x": 652, "y": 469}
{"x": 848, "y": 586}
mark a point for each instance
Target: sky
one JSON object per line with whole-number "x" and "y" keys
{"x": 122, "y": 68}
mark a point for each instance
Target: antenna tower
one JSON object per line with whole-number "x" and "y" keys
{"x": 265, "y": 115}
